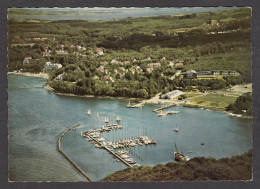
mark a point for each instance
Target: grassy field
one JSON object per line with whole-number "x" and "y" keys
{"x": 214, "y": 101}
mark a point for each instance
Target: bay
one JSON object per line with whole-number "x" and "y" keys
{"x": 37, "y": 117}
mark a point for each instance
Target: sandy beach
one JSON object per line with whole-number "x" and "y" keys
{"x": 41, "y": 74}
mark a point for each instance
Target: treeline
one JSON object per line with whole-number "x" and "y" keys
{"x": 243, "y": 105}
{"x": 197, "y": 169}
{"x": 193, "y": 38}
{"x": 206, "y": 84}
{"x": 217, "y": 47}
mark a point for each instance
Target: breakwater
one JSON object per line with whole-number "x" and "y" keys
{"x": 70, "y": 160}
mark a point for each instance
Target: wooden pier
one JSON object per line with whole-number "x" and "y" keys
{"x": 109, "y": 150}
{"x": 164, "y": 107}
{"x": 70, "y": 160}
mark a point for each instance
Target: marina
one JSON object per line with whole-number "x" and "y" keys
{"x": 99, "y": 142}
{"x": 38, "y": 134}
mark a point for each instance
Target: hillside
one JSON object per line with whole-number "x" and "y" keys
{"x": 135, "y": 57}
{"x": 199, "y": 168}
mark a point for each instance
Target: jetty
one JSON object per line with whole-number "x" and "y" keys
{"x": 93, "y": 135}
{"x": 108, "y": 149}
{"x": 164, "y": 107}
{"x": 66, "y": 156}
{"x": 139, "y": 105}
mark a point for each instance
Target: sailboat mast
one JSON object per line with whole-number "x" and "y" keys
{"x": 176, "y": 147}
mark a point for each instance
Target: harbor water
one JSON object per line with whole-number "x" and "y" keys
{"x": 37, "y": 117}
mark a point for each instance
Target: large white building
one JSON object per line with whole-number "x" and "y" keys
{"x": 51, "y": 66}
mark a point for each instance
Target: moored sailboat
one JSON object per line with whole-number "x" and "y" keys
{"x": 179, "y": 156}
{"x": 118, "y": 118}
{"x": 106, "y": 120}
{"x": 128, "y": 105}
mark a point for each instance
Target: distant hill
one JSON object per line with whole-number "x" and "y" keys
{"x": 199, "y": 168}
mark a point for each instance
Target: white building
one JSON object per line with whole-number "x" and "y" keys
{"x": 172, "y": 94}
{"x": 51, "y": 66}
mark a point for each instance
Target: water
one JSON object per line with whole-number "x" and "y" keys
{"x": 37, "y": 117}
{"x": 107, "y": 13}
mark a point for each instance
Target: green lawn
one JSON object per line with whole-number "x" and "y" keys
{"x": 214, "y": 101}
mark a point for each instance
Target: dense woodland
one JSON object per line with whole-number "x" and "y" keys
{"x": 197, "y": 169}
{"x": 243, "y": 105}
{"x": 219, "y": 40}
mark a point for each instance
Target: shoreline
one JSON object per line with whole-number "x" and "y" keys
{"x": 154, "y": 100}
{"x": 41, "y": 74}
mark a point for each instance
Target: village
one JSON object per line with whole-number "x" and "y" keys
{"x": 122, "y": 67}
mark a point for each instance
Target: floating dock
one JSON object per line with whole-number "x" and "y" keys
{"x": 164, "y": 107}
{"x": 99, "y": 142}
{"x": 109, "y": 150}
{"x": 139, "y": 105}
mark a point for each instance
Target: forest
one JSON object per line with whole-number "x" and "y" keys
{"x": 219, "y": 40}
{"x": 196, "y": 169}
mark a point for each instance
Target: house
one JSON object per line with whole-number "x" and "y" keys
{"x": 203, "y": 72}
{"x": 40, "y": 39}
{"x": 163, "y": 58}
{"x": 107, "y": 78}
{"x": 28, "y": 60}
{"x": 231, "y": 72}
{"x": 126, "y": 62}
{"x": 190, "y": 74}
{"x": 215, "y": 72}
{"x": 149, "y": 70}
{"x": 60, "y": 77}
{"x": 99, "y": 51}
{"x": 113, "y": 61}
{"x": 46, "y": 52}
{"x": 101, "y": 69}
{"x": 137, "y": 68}
{"x": 171, "y": 64}
{"x": 104, "y": 63}
{"x": 179, "y": 64}
{"x": 172, "y": 94}
{"x": 224, "y": 72}
{"x": 50, "y": 66}
{"x": 61, "y": 52}
{"x": 154, "y": 65}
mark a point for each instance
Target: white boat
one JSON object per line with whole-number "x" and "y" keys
{"x": 162, "y": 113}
{"x": 118, "y": 118}
{"x": 176, "y": 129}
{"x": 97, "y": 115}
{"x": 100, "y": 139}
{"x": 106, "y": 120}
{"x": 128, "y": 105}
{"x": 173, "y": 112}
{"x": 89, "y": 112}
{"x": 179, "y": 156}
